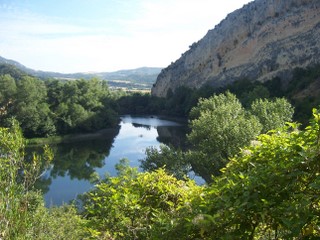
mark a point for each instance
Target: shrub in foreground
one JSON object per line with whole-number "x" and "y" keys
{"x": 150, "y": 205}
{"x": 22, "y": 211}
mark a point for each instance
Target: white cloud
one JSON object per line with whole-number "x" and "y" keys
{"x": 156, "y": 35}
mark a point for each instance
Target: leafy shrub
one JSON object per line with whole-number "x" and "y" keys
{"x": 150, "y": 205}
{"x": 22, "y": 211}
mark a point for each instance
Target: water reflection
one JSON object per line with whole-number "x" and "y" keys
{"x": 175, "y": 136}
{"x": 150, "y": 121}
{"x": 75, "y": 162}
{"x": 79, "y": 159}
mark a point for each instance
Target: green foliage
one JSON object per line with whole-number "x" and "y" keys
{"x": 57, "y": 110}
{"x": 11, "y": 160}
{"x": 29, "y": 107}
{"x": 7, "y": 92}
{"x": 272, "y": 114}
{"x": 57, "y": 223}
{"x": 12, "y": 71}
{"x": 301, "y": 90}
{"x": 81, "y": 105}
{"x": 54, "y": 107}
{"x": 302, "y": 78}
{"x": 8, "y": 89}
{"x": 275, "y": 87}
{"x": 140, "y": 103}
{"x": 271, "y": 190}
{"x": 177, "y": 103}
{"x": 181, "y": 101}
{"x": 248, "y": 97}
{"x": 22, "y": 211}
{"x": 151, "y": 205}
{"x": 220, "y": 127}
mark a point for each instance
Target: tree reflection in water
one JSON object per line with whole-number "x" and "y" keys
{"x": 76, "y": 159}
{"x": 75, "y": 162}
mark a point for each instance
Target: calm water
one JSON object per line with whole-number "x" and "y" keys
{"x": 75, "y": 162}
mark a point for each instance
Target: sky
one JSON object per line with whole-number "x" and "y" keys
{"x": 71, "y": 36}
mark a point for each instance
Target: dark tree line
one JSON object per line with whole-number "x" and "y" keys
{"x": 52, "y": 107}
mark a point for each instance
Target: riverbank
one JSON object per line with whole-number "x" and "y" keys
{"x": 180, "y": 120}
{"x": 78, "y": 137}
{"x": 73, "y": 137}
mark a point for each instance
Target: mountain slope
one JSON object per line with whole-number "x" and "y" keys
{"x": 264, "y": 39}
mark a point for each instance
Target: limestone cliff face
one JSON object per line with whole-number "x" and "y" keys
{"x": 264, "y": 39}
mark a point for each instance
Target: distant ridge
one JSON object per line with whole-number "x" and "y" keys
{"x": 143, "y": 77}
{"x": 14, "y": 63}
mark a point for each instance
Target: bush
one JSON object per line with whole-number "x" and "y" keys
{"x": 22, "y": 211}
{"x": 271, "y": 190}
{"x": 151, "y": 205}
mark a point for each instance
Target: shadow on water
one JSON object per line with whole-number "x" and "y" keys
{"x": 173, "y": 136}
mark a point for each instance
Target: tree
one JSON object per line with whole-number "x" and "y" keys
{"x": 258, "y": 92}
{"x": 272, "y": 114}
{"x": 7, "y": 95}
{"x": 220, "y": 127}
{"x": 271, "y": 190}
{"x": 8, "y": 89}
{"x": 82, "y": 105}
{"x": 31, "y": 108}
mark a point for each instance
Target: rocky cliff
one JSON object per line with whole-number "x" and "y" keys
{"x": 264, "y": 39}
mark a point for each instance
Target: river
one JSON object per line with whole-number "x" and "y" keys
{"x": 75, "y": 162}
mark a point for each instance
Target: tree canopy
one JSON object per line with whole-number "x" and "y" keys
{"x": 45, "y": 108}
{"x": 221, "y": 126}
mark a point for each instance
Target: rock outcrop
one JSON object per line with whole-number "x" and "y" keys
{"x": 264, "y": 39}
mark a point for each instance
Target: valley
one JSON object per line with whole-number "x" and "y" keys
{"x": 221, "y": 144}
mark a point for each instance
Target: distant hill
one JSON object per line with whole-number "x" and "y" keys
{"x": 140, "y": 78}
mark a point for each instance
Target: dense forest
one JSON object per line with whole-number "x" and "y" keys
{"x": 261, "y": 167}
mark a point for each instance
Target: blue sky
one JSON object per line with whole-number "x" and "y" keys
{"x": 105, "y": 35}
